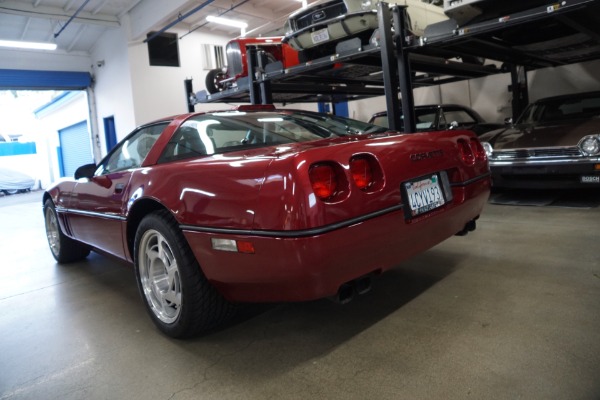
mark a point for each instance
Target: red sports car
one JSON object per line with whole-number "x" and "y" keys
{"x": 264, "y": 205}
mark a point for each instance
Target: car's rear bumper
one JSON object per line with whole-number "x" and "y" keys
{"x": 289, "y": 268}
{"x": 547, "y": 175}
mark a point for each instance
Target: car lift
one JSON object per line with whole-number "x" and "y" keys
{"x": 385, "y": 66}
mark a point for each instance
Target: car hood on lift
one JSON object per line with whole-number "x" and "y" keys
{"x": 551, "y": 134}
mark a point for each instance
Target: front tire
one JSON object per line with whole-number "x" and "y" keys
{"x": 213, "y": 81}
{"x": 177, "y": 295}
{"x": 63, "y": 248}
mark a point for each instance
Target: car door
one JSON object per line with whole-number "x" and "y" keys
{"x": 98, "y": 204}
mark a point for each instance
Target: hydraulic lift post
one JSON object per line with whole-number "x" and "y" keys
{"x": 395, "y": 58}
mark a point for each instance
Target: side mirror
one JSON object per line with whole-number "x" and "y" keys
{"x": 508, "y": 121}
{"x": 453, "y": 125}
{"x": 85, "y": 171}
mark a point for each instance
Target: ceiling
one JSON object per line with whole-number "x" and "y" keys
{"x": 76, "y": 25}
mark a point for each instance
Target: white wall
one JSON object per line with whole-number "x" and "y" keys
{"x": 583, "y": 77}
{"x": 112, "y": 84}
{"x": 159, "y": 91}
{"x": 44, "y": 60}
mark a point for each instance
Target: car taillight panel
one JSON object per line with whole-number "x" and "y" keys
{"x": 332, "y": 181}
{"x": 324, "y": 180}
{"x": 478, "y": 150}
{"x": 361, "y": 171}
{"x": 366, "y": 172}
{"x": 466, "y": 152}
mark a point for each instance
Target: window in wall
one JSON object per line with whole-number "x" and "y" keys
{"x": 212, "y": 56}
{"x": 163, "y": 50}
{"x": 219, "y": 59}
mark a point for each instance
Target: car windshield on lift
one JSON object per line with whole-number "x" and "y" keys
{"x": 222, "y": 132}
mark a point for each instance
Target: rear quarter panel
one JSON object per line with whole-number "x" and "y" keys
{"x": 219, "y": 191}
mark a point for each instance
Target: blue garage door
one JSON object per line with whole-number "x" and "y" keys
{"x": 12, "y": 79}
{"x": 75, "y": 148}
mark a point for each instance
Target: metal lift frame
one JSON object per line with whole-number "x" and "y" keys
{"x": 394, "y": 54}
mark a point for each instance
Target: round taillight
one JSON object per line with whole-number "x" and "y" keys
{"x": 466, "y": 153}
{"x": 478, "y": 150}
{"x": 323, "y": 180}
{"x": 362, "y": 173}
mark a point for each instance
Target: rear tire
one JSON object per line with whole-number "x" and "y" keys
{"x": 180, "y": 300}
{"x": 63, "y": 248}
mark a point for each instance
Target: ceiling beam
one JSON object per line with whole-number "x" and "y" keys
{"x": 27, "y": 9}
{"x": 69, "y": 5}
{"x": 25, "y": 28}
{"x": 99, "y": 7}
{"x": 78, "y": 35}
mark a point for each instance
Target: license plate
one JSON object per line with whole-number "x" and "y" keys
{"x": 423, "y": 195}
{"x": 590, "y": 179}
{"x": 320, "y": 36}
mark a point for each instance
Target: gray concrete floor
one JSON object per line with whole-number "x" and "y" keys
{"x": 508, "y": 312}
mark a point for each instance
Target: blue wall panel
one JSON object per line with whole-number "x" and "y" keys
{"x": 17, "y": 149}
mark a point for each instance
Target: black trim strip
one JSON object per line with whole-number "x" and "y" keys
{"x": 470, "y": 181}
{"x": 293, "y": 234}
{"x": 90, "y": 213}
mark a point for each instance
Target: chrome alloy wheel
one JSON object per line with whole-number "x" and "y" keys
{"x": 159, "y": 276}
{"x": 52, "y": 231}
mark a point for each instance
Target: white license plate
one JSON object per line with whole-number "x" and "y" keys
{"x": 424, "y": 195}
{"x": 590, "y": 179}
{"x": 320, "y": 36}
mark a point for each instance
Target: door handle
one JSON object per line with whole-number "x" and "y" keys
{"x": 119, "y": 188}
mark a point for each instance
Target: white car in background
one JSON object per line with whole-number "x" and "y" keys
{"x": 317, "y": 28}
{"x": 13, "y": 182}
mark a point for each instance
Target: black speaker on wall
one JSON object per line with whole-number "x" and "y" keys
{"x": 163, "y": 49}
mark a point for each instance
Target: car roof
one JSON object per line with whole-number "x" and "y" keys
{"x": 569, "y": 96}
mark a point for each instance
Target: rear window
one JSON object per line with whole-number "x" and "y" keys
{"x": 217, "y": 133}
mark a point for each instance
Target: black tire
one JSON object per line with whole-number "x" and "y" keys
{"x": 63, "y": 248}
{"x": 213, "y": 81}
{"x": 178, "y": 297}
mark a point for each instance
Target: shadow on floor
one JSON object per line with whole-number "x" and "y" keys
{"x": 542, "y": 198}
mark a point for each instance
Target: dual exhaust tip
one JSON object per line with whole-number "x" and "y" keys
{"x": 349, "y": 290}
{"x": 469, "y": 227}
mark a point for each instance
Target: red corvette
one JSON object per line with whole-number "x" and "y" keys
{"x": 264, "y": 205}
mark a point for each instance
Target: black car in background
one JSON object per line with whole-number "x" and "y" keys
{"x": 436, "y": 117}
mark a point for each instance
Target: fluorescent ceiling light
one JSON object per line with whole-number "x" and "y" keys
{"x": 27, "y": 45}
{"x": 226, "y": 21}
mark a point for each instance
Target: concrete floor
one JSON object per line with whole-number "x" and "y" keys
{"x": 510, "y": 311}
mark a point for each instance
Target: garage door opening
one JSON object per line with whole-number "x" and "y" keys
{"x": 43, "y": 135}
{"x": 46, "y": 126}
